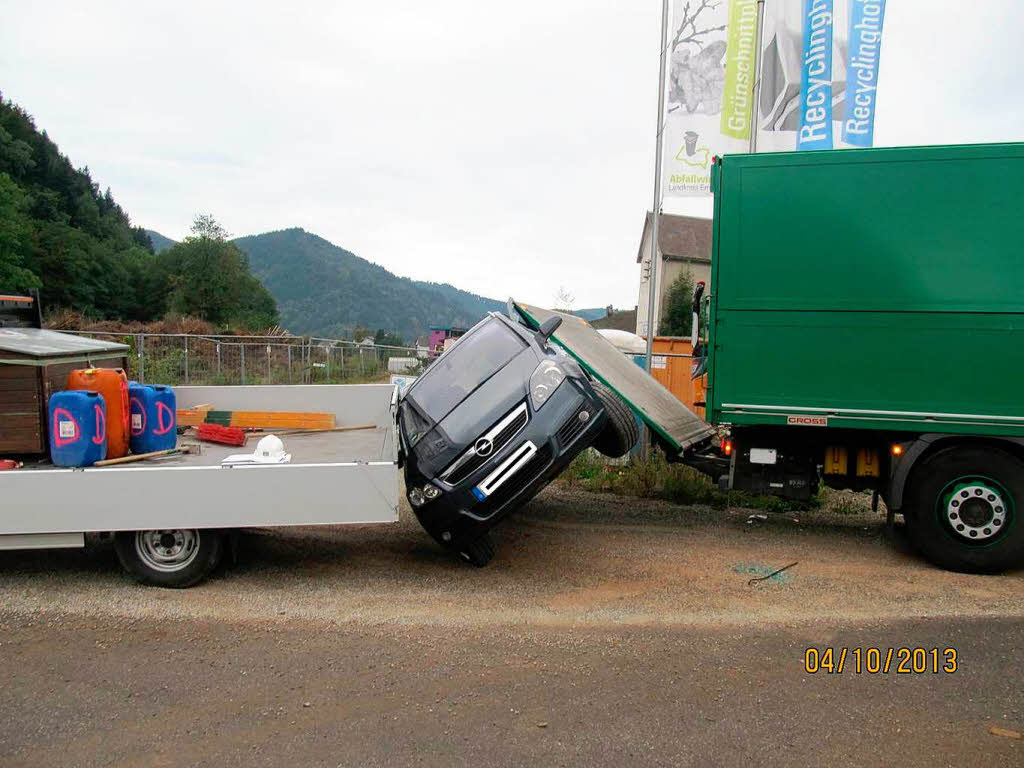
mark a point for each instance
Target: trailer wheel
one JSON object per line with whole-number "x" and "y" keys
{"x": 480, "y": 552}
{"x": 964, "y": 509}
{"x": 174, "y": 558}
{"x": 621, "y": 432}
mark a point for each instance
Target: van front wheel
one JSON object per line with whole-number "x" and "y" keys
{"x": 480, "y": 552}
{"x": 173, "y": 558}
{"x": 621, "y": 431}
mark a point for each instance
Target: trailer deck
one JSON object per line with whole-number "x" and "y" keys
{"x": 332, "y": 478}
{"x": 329, "y": 448}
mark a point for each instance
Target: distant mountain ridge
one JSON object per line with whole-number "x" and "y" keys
{"x": 325, "y": 290}
{"x": 590, "y": 315}
{"x": 160, "y": 242}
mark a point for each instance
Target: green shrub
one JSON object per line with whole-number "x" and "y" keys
{"x": 656, "y": 478}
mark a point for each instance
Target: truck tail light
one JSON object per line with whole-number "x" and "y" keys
{"x": 727, "y": 447}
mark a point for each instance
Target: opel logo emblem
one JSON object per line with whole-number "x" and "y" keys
{"x": 483, "y": 447}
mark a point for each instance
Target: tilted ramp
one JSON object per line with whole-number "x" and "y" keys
{"x": 659, "y": 409}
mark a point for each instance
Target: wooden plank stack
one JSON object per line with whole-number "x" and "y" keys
{"x": 271, "y": 419}
{"x": 256, "y": 419}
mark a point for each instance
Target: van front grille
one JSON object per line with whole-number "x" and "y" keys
{"x": 499, "y": 435}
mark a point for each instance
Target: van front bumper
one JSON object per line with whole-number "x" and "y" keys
{"x": 557, "y": 433}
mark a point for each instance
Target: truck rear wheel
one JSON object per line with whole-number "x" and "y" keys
{"x": 174, "y": 558}
{"x": 964, "y": 509}
{"x": 620, "y": 432}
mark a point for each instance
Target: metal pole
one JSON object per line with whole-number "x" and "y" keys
{"x": 652, "y": 279}
{"x": 329, "y": 363}
{"x": 270, "y": 379}
{"x": 142, "y": 359}
{"x": 243, "y": 363}
{"x": 186, "y": 359}
{"x": 756, "y": 93}
{"x": 218, "y": 358}
{"x": 289, "y": 363}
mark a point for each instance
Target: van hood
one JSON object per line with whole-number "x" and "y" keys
{"x": 476, "y": 413}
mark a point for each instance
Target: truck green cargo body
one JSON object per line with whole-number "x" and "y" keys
{"x": 871, "y": 289}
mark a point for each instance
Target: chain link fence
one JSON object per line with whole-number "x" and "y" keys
{"x": 179, "y": 359}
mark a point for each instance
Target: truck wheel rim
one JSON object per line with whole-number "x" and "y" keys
{"x": 976, "y": 510}
{"x": 168, "y": 550}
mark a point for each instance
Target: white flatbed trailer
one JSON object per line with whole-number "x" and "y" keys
{"x": 169, "y": 516}
{"x": 333, "y": 478}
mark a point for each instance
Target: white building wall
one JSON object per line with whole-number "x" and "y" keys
{"x": 667, "y": 271}
{"x": 643, "y": 297}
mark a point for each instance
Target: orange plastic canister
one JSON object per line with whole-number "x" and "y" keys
{"x": 112, "y": 383}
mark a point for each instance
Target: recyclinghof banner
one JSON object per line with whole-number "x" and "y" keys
{"x": 819, "y": 79}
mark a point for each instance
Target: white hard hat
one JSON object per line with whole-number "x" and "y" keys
{"x": 270, "y": 450}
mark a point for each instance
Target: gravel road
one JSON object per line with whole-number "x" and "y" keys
{"x": 607, "y": 631}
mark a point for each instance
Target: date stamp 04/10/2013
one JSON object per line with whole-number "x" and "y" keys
{"x": 881, "y": 661}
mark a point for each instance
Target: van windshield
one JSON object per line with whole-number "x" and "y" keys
{"x": 475, "y": 358}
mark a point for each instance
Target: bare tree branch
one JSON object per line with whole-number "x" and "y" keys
{"x": 688, "y": 31}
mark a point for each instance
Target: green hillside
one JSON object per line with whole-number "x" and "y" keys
{"x": 325, "y": 290}
{"x": 60, "y": 235}
{"x": 160, "y": 242}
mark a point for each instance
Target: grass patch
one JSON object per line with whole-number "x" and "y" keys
{"x": 656, "y": 478}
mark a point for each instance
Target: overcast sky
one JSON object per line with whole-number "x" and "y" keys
{"x": 506, "y": 148}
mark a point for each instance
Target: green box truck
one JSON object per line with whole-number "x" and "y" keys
{"x": 865, "y": 329}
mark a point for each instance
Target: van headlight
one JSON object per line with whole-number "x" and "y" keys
{"x": 420, "y": 496}
{"x": 545, "y": 379}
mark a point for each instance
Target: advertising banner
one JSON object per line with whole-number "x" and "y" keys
{"x": 711, "y": 49}
{"x": 819, "y": 75}
{"x": 862, "y": 71}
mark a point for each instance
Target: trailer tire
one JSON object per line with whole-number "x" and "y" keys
{"x": 172, "y": 559}
{"x": 620, "y": 432}
{"x": 964, "y": 509}
{"x": 480, "y": 552}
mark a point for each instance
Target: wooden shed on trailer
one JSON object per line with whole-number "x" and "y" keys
{"x": 35, "y": 363}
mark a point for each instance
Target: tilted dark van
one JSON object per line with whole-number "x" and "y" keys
{"x": 495, "y": 419}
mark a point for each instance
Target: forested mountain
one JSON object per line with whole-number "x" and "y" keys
{"x": 160, "y": 243}
{"x": 59, "y": 234}
{"x": 326, "y": 290}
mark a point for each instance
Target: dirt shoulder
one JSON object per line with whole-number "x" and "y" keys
{"x": 571, "y": 559}
{"x": 607, "y": 631}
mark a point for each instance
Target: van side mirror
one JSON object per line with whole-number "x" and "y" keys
{"x": 549, "y": 326}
